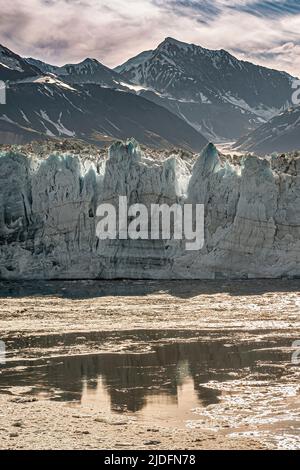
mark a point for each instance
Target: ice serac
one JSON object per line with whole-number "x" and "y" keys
{"x": 48, "y": 214}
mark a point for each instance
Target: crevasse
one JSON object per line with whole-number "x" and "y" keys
{"x": 48, "y": 215}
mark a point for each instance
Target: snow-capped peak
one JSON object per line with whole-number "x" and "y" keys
{"x": 187, "y": 76}
{"x": 174, "y": 42}
{"x": 86, "y": 66}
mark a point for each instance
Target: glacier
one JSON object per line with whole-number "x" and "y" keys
{"x": 48, "y": 208}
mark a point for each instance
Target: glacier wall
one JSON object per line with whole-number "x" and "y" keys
{"x": 48, "y": 215}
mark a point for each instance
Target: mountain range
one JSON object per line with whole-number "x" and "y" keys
{"x": 219, "y": 95}
{"x": 175, "y": 95}
{"x": 86, "y": 101}
{"x": 87, "y": 71}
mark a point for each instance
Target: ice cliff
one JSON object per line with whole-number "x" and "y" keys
{"x": 48, "y": 214}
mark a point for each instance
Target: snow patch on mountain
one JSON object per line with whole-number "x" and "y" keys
{"x": 4, "y": 117}
{"x": 47, "y": 79}
{"x": 280, "y": 134}
{"x": 61, "y": 129}
{"x": 136, "y": 88}
{"x": 136, "y": 61}
{"x": 212, "y": 84}
{"x": 261, "y": 111}
{"x": 9, "y": 61}
{"x": 6, "y": 66}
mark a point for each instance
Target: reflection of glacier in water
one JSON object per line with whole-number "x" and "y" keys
{"x": 249, "y": 389}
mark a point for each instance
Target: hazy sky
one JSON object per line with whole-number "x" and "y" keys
{"x": 60, "y": 31}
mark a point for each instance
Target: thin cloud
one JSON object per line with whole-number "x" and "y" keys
{"x": 61, "y": 31}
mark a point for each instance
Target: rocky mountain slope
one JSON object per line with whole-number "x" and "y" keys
{"x": 178, "y": 94}
{"x": 14, "y": 67}
{"x": 49, "y": 108}
{"x": 86, "y": 101}
{"x": 48, "y": 216}
{"x": 218, "y": 94}
{"x": 280, "y": 134}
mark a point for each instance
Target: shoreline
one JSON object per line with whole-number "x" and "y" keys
{"x": 80, "y": 320}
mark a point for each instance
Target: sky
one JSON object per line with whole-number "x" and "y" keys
{"x": 67, "y": 31}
